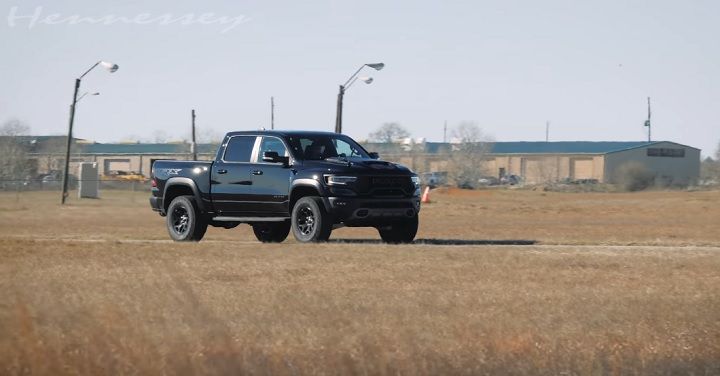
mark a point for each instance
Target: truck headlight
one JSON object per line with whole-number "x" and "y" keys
{"x": 339, "y": 180}
{"x": 416, "y": 181}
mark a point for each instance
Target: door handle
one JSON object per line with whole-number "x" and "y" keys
{"x": 222, "y": 171}
{"x": 257, "y": 172}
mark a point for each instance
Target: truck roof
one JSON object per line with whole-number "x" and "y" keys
{"x": 279, "y": 132}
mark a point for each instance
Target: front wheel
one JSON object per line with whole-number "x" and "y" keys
{"x": 310, "y": 221}
{"x": 400, "y": 232}
{"x": 271, "y": 232}
{"x": 185, "y": 223}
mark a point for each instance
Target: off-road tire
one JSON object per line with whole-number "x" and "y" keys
{"x": 310, "y": 221}
{"x": 185, "y": 223}
{"x": 271, "y": 232}
{"x": 400, "y": 232}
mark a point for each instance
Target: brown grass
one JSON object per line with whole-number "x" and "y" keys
{"x": 94, "y": 287}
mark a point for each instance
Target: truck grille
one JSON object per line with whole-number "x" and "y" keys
{"x": 385, "y": 185}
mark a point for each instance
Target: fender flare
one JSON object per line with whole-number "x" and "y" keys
{"x": 314, "y": 184}
{"x": 183, "y": 182}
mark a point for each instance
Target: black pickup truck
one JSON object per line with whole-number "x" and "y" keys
{"x": 276, "y": 180}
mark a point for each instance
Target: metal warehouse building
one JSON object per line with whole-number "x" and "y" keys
{"x": 534, "y": 162}
{"x": 140, "y": 157}
{"x": 540, "y": 162}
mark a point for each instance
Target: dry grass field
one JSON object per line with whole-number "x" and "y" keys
{"x": 512, "y": 282}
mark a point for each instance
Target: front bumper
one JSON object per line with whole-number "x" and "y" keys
{"x": 355, "y": 211}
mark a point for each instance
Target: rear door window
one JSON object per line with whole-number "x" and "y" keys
{"x": 239, "y": 149}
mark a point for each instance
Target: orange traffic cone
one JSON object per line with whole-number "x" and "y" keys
{"x": 426, "y": 196}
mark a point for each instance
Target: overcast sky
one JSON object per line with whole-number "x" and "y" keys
{"x": 586, "y": 67}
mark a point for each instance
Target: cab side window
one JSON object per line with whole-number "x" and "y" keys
{"x": 271, "y": 144}
{"x": 239, "y": 149}
{"x": 346, "y": 150}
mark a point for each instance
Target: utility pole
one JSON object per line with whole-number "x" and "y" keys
{"x": 272, "y": 112}
{"x": 547, "y": 131}
{"x": 445, "y": 132}
{"x": 647, "y": 122}
{"x": 192, "y": 143}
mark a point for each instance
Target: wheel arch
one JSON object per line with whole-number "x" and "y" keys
{"x": 307, "y": 187}
{"x": 181, "y": 187}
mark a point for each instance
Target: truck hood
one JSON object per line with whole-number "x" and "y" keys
{"x": 357, "y": 165}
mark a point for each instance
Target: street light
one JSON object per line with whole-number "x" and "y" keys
{"x": 111, "y": 68}
{"x": 86, "y": 93}
{"x": 348, "y": 83}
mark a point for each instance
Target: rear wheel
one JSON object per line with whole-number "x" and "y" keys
{"x": 310, "y": 221}
{"x": 400, "y": 232}
{"x": 184, "y": 220}
{"x": 271, "y": 232}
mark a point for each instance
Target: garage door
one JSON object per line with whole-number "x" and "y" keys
{"x": 531, "y": 170}
{"x": 490, "y": 167}
{"x": 117, "y": 165}
{"x": 582, "y": 168}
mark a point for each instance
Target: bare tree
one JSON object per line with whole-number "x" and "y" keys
{"x": 468, "y": 150}
{"x": 134, "y": 138}
{"x": 633, "y": 176}
{"x": 160, "y": 136}
{"x": 13, "y": 152}
{"x": 51, "y": 155}
{"x": 207, "y": 136}
{"x": 389, "y": 133}
{"x": 710, "y": 169}
{"x": 14, "y": 127}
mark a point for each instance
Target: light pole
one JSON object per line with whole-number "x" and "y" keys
{"x": 86, "y": 93}
{"x": 647, "y": 122}
{"x": 348, "y": 83}
{"x": 111, "y": 68}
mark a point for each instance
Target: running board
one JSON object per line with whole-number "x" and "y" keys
{"x": 250, "y": 219}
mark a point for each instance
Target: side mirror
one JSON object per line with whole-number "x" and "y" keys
{"x": 274, "y": 157}
{"x": 374, "y": 155}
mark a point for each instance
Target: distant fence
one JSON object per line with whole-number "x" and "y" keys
{"x": 27, "y": 185}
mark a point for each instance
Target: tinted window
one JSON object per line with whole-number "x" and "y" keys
{"x": 271, "y": 144}
{"x": 239, "y": 149}
{"x": 318, "y": 147}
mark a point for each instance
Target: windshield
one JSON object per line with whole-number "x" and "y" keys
{"x": 322, "y": 146}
